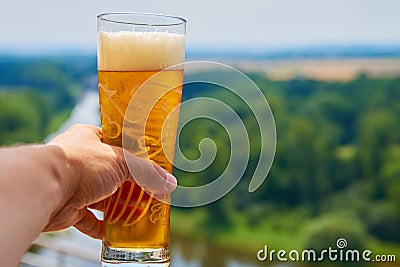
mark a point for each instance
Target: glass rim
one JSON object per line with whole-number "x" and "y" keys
{"x": 104, "y": 17}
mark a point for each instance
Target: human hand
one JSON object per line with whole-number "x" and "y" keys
{"x": 96, "y": 171}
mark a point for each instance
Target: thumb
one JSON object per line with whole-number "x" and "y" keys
{"x": 151, "y": 177}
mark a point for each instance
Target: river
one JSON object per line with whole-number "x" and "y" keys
{"x": 184, "y": 253}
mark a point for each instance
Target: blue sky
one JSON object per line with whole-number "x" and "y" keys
{"x": 255, "y": 24}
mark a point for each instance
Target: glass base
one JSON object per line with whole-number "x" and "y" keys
{"x": 131, "y": 257}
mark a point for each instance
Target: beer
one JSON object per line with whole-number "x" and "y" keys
{"x": 135, "y": 221}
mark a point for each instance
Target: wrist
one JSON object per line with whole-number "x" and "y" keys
{"x": 33, "y": 181}
{"x": 44, "y": 172}
{"x": 60, "y": 173}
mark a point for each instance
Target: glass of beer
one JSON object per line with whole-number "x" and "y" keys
{"x": 132, "y": 48}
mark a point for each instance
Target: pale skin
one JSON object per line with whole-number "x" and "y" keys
{"x": 50, "y": 187}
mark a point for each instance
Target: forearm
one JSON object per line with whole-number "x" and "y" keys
{"x": 33, "y": 187}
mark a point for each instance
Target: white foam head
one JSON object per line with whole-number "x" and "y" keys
{"x": 139, "y": 51}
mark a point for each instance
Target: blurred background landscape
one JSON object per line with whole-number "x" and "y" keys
{"x": 331, "y": 75}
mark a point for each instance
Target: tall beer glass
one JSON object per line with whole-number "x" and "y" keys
{"x": 133, "y": 47}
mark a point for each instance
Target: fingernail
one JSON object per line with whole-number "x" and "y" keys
{"x": 170, "y": 182}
